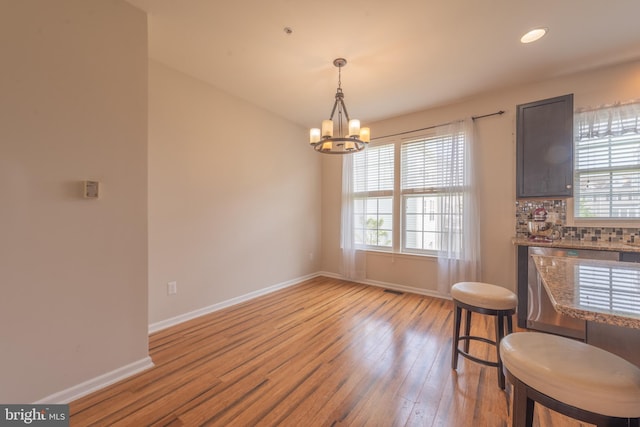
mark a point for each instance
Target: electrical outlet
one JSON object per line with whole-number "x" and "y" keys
{"x": 172, "y": 288}
{"x": 91, "y": 189}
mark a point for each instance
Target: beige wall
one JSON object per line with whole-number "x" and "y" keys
{"x": 234, "y": 197}
{"x": 496, "y": 160}
{"x": 73, "y": 106}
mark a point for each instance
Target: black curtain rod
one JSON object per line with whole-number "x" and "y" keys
{"x": 497, "y": 113}
{"x": 411, "y": 131}
{"x": 437, "y": 126}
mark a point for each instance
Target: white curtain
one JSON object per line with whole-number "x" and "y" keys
{"x": 459, "y": 254}
{"x": 609, "y": 120}
{"x": 353, "y": 263}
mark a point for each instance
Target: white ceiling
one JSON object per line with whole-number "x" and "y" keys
{"x": 403, "y": 55}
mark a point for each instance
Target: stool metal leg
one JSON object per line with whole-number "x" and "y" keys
{"x": 501, "y": 329}
{"x": 499, "y": 335}
{"x": 467, "y": 331}
{"x": 457, "y": 316}
{"x": 522, "y": 415}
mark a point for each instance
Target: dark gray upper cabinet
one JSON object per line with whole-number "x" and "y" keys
{"x": 544, "y": 149}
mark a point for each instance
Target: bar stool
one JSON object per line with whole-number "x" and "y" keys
{"x": 482, "y": 298}
{"x": 570, "y": 377}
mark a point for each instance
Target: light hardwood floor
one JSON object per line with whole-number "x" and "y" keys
{"x": 322, "y": 353}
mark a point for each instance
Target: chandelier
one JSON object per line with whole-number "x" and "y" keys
{"x": 334, "y": 138}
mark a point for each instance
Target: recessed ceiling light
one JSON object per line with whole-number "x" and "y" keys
{"x": 533, "y": 35}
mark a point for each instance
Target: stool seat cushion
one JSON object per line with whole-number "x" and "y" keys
{"x": 574, "y": 373}
{"x": 484, "y": 295}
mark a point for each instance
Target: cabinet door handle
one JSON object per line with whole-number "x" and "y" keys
{"x": 568, "y": 186}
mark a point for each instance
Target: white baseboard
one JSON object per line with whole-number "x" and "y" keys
{"x": 94, "y": 384}
{"x": 386, "y": 285}
{"x": 163, "y": 324}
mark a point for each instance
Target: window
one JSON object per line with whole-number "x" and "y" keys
{"x": 431, "y": 169}
{"x": 373, "y": 182}
{"x": 607, "y": 163}
{"x": 418, "y": 185}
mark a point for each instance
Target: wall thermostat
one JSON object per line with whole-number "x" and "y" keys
{"x": 91, "y": 189}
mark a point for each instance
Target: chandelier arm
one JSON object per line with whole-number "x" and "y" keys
{"x": 344, "y": 108}
{"x": 335, "y": 104}
{"x": 358, "y": 145}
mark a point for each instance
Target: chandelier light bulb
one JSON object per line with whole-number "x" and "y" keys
{"x": 354, "y": 127}
{"x": 314, "y": 135}
{"x": 364, "y": 135}
{"x": 327, "y": 128}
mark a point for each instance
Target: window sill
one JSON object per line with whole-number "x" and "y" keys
{"x": 603, "y": 223}
{"x": 407, "y": 255}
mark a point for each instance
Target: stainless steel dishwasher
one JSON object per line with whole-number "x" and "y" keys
{"x": 541, "y": 315}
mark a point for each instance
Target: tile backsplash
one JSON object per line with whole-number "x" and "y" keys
{"x": 557, "y": 210}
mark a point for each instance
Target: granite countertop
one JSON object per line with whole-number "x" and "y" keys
{"x": 579, "y": 244}
{"x": 593, "y": 290}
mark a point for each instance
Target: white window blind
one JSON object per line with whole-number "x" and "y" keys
{"x": 431, "y": 169}
{"x": 373, "y": 182}
{"x": 607, "y": 163}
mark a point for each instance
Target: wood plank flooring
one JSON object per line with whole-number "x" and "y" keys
{"x": 325, "y": 352}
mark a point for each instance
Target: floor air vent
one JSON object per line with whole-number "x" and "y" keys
{"x": 391, "y": 291}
